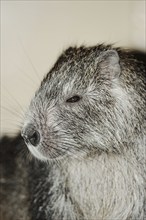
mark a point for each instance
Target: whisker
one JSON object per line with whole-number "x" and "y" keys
{"x": 14, "y": 113}
{"x": 30, "y": 61}
{"x": 14, "y": 122}
{"x": 14, "y": 99}
{"x": 27, "y": 77}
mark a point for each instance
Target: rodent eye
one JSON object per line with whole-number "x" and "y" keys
{"x": 73, "y": 99}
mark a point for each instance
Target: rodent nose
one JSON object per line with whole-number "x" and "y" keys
{"x": 32, "y": 137}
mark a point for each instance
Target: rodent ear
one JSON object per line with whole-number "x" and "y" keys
{"x": 109, "y": 64}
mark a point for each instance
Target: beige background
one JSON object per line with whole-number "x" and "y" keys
{"x": 33, "y": 33}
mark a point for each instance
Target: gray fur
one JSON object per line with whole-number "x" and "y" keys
{"x": 94, "y": 148}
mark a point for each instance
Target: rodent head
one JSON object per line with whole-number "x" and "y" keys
{"x": 72, "y": 113}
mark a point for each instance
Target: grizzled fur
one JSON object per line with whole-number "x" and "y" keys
{"x": 93, "y": 150}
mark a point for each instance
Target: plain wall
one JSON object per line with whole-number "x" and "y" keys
{"x": 34, "y": 33}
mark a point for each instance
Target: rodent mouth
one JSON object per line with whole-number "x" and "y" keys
{"x": 35, "y": 152}
{"x": 40, "y": 154}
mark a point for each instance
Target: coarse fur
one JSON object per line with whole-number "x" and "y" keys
{"x": 93, "y": 151}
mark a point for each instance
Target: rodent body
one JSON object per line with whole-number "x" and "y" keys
{"x": 86, "y": 123}
{"x": 82, "y": 191}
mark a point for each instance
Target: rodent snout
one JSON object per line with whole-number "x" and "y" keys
{"x": 31, "y": 136}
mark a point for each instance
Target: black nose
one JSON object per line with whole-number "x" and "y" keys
{"x": 32, "y": 137}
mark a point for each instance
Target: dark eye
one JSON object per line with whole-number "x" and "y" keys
{"x": 75, "y": 98}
